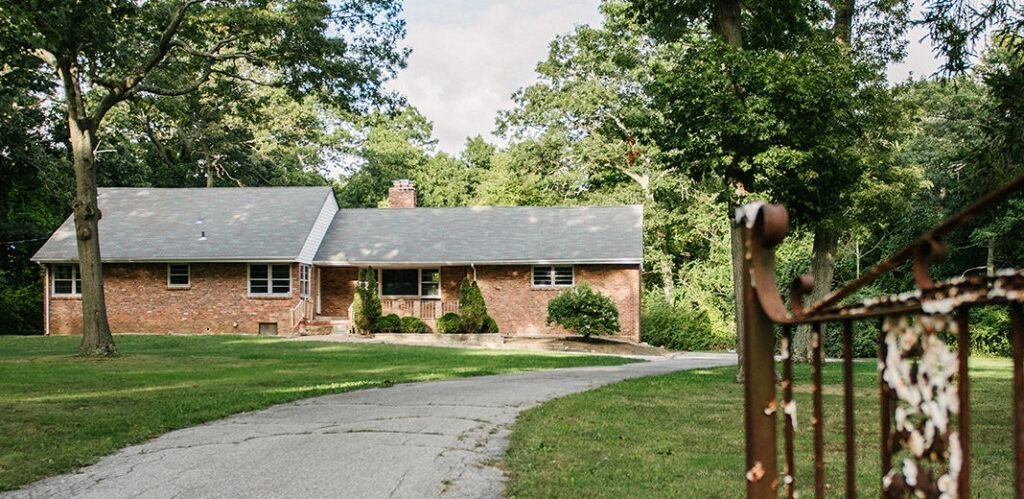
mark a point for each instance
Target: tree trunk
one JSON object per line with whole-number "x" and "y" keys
{"x": 990, "y": 260}
{"x": 96, "y": 337}
{"x": 823, "y": 266}
{"x": 667, "y": 276}
{"x": 737, "y": 284}
{"x": 727, "y": 22}
{"x": 842, "y": 23}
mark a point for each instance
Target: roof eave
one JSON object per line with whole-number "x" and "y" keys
{"x": 600, "y": 261}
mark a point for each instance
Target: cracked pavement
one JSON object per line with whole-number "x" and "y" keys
{"x": 430, "y": 439}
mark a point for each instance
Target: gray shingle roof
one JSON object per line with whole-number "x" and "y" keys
{"x": 612, "y": 234}
{"x": 240, "y": 224}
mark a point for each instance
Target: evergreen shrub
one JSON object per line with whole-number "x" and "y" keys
{"x": 366, "y": 307}
{"x": 448, "y": 323}
{"x": 472, "y": 309}
{"x": 413, "y": 325}
{"x": 585, "y": 311}
{"x": 387, "y": 324}
{"x": 490, "y": 325}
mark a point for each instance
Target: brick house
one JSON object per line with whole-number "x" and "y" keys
{"x": 278, "y": 259}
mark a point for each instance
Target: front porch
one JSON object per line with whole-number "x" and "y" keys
{"x": 434, "y": 292}
{"x": 427, "y": 309}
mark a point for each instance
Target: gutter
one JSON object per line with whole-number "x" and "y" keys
{"x": 417, "y": 263}
{"x": 46, "y": 300}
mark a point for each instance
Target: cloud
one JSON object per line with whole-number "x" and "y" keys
{"x": 468, "y": 57}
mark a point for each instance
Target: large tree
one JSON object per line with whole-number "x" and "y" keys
{"x": 777, "y": 100}
{"x": 101, "y": 53}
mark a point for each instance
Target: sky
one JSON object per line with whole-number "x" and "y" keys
{"x": 469, "y": 56}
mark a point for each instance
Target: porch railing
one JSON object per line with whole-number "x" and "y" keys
{"x": 302, "y": 311}
{"x": 924, "y": 401}
{"x": 425, "y": 309}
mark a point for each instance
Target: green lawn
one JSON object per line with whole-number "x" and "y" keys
{"x": 58, "y": 411}
{"x": 681, "y": 435}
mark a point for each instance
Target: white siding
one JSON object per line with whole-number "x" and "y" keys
{"x": 319, "y": 230}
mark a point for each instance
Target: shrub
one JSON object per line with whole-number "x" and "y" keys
{"x": 413, "y": 325}
{"x": 990, "y": 331}
{"x": 472, "y": 309}
{"x": 490, "y": 325}
{"x": 583, "y": 310}
{"x": 676, "y": 327}
{"x": 864, "y": 341}
{"x": 366, "y": 308}
{"x": 448, "y": 323}
{"x": 387, "y": 324}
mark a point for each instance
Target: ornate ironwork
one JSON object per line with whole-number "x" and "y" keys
{"x": 923, "y": 384}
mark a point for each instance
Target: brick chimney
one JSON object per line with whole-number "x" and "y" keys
{"x": 402, "y": 194}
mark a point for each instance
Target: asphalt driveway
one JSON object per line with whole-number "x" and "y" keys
{"x": 430, "y": 439}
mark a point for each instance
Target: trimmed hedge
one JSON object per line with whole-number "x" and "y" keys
{"x": 448, "y": 323}
{"x": 387, "y": 324}
{"x": 413, "y": 325}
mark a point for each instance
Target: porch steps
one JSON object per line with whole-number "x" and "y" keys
{"x": 328, "y": 325}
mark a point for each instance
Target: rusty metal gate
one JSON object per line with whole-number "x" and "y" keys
{"x": 923, "y": 383}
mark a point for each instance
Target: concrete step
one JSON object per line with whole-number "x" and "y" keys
{"x": 328, "y": 325}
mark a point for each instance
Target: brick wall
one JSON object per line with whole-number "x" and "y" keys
{"x": 139, "y": 301}
{"x": 520, "y": 308}
{"x": 337, "y": 288}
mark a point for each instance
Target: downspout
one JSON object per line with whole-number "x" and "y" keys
{"x": 473, "y": 266}
{"x": 46, "y": 300}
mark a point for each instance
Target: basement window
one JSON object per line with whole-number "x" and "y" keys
{"x": 178, "y": 275}
{"x": 270, "y": 279}
{"x": 552, "y": 276}
{"x": 67, "y": 280}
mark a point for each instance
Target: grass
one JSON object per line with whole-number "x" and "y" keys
{"x": 681, "y": 435}
{"x": 59, "y": 412}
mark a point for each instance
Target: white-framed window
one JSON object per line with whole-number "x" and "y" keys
{"x": 552, "y": 275}
{"x": 270, "y": 279}
{"x": 304, "y": 273}
{"x": 421, "y": 283}
{"x": 178, "y": 275}
{"x": 430, "y": 283}
{"x": 67, "y": 280}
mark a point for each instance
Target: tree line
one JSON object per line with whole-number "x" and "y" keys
{"x": 689, "y": 108}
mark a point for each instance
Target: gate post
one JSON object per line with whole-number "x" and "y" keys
{"x": 759, "y": 367}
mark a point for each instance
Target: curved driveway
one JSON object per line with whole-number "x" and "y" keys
{"x": 429, "y": 439}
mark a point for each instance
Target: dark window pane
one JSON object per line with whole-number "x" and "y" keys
{"x": 258, "y": 287}
{"x": 431, "y": 289}
{"x": 62, "y": 287}
{"x": 281, "y": 287}
{"x": 396, "y": 282}
{"x": 431, "y": 275}
{"x": 563, "y": 276}
{"x": 177, "y": 274}
{"x": 542, "y": 276}
{"x": 62, "y": 272}
{"x": 258, "y": 271}
{"x": 281, "y": 271}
